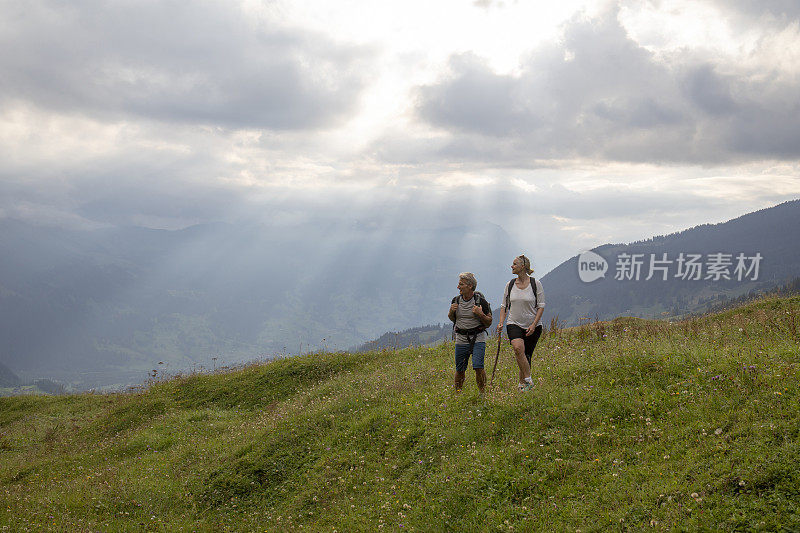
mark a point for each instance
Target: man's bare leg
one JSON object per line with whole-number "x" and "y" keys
{"x": 480, "y": 378}
{"x": 458, "y": 381}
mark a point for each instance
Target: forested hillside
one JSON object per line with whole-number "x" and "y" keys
{"x": 768, "y": 233}
{"x": 418, "y": 336}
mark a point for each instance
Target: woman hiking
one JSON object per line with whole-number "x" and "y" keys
{"x": 523, "y": 301}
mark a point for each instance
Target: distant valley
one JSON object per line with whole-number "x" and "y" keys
{"x": 109, "y": 308}
{"x": 106, "y": 308}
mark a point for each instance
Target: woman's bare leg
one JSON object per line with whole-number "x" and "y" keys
{"x": 522, "y": 361}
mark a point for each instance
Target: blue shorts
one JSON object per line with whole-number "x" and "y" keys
{"x": 462, "y": 356}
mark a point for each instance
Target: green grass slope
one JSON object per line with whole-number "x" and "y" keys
{"x": 633, "y": 424}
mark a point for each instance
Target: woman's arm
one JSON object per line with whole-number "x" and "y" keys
{"x": 501, "y": 319}
{"x": 536, "y": 319}
{"x": 539, "y": 308}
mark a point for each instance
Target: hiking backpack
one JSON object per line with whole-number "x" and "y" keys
{"x": 473, "y": 332}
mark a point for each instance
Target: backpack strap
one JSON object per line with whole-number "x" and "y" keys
{"x": 479, "y": 299}
{"x": 471, "y": 334}
{"x": 453, "y": 301}
{"x": 535, "y": 296}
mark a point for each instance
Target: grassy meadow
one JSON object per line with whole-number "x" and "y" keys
{"x": 633, "y": 425}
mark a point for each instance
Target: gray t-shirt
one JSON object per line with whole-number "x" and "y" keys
{"x": 523, "y": 310}
{"x": 466, "y": 319}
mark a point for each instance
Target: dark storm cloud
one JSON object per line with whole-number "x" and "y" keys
{"x": 206, "y": 62}
{"x": 472, "y": 111}
{"x": 599, "y": 94}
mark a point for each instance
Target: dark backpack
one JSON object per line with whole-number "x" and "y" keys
{"x": 508, "y": 293}
{"x": 472, "y": 333}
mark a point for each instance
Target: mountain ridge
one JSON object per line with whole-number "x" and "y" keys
{"x": 764, "y": 231}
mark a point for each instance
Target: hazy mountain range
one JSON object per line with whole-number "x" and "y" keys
{"x": 768, "y": 233}
{"x": 94, "y": 308}
{"x": 104, "y": 307}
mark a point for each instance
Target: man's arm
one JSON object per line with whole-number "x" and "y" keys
{"x": 452, "y": 313}
{"x": 485, "y": 318}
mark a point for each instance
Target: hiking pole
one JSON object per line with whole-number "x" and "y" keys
{"x": 496, "y": 357}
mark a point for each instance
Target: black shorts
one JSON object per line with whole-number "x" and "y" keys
{"x": 516, "y": 332}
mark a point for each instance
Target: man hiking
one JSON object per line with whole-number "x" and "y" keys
{"x": 471, "y": 315}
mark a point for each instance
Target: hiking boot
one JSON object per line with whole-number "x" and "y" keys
{"x": 527, "y": 386}
{"x": 521, "y": 386}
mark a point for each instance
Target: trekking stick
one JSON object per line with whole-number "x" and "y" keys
{"x": 496, "y": 357}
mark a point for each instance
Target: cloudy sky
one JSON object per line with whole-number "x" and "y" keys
{"x": 569, "y": 123}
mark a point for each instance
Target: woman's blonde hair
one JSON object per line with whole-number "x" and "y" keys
{"x": 469, "y": 277}
{"x": 526, "y": 263}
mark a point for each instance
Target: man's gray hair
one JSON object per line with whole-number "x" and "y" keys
{"x": 469, "y": 277}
